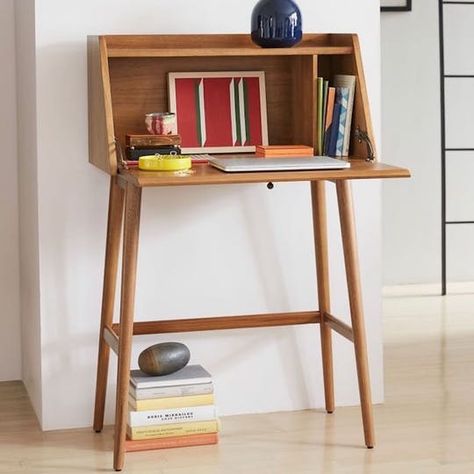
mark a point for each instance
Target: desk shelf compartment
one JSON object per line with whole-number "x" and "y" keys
{"x": 128, "y": 78}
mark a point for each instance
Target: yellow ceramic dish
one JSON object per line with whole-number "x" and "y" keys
{"x": 164, "y": 163}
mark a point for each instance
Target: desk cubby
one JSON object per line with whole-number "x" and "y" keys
{"x": 130, "y": 80}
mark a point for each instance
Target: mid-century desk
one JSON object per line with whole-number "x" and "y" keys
{"x": 127, "y": 78}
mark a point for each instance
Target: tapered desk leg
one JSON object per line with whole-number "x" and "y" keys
{"x": 127, "y": 306}
{"x": 346, "y": 215}
{"x": 318, "y": 197}
{"x": 114, "y": 227}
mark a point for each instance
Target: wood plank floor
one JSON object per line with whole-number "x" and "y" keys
{"x": 425, "y": 426}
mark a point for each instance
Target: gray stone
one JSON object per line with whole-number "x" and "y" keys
{"x": 164, "y": 358}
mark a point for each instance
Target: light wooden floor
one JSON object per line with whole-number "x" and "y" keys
{"x": 425, "y": 426}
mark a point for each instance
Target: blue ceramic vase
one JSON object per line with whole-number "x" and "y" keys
{"x": 276, "y": 24}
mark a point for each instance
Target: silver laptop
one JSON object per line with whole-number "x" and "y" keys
{"x": 235, "y": 164}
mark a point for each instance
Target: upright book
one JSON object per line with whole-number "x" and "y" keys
{"x": 323, "y": 117}
{"x": 320, "y": 105}
{"x": 329, "y": 118}
{"x": 335, "y": 123}
{"x": 341, "y": 133}
{"x": 349, "y": 82}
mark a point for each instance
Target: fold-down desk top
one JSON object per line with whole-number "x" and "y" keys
{"x": 205, "y": 174}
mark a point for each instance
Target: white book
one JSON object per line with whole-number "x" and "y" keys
{"x": 172, "y": 415}
{"x": 345, "y": 80}
{"x": 172, "y": 391}
{"x": 189, "y": 375}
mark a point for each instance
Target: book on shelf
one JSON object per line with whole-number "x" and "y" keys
{"x": 191, "y": 374}
{"x": 331, "y": 149}
{"x": 344, "y": 97}
{"x": 171, "y": 402}
{"x": 172, "y": 442}
{"x": 323, "y": 119}
{"x": 171, "y": 391}
{"x": 329, "y": 119}
{"x": 320, "y": 101}
{"x": 349, "y": 82}
{"x": 152, "y": 140}
{"x": 178, "y": 429}
{"x": 134, "y": 154}
{"x": 172, "y": 415}
{"x": 334, "y": 110}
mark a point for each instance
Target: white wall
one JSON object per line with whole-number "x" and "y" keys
{"x": 270, "y": 265}
{"x": 28, "y": 200}
{"x": 411, "y": 137}
{"x": 10, "y": 348}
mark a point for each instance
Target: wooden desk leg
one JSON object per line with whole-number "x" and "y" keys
{"x": 346, "y": 215}
{"x": 127, "y": 307}
{"x": 318, "y": 197}
{"x": 114, "y": 227}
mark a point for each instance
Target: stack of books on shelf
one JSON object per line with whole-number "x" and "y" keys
{"x": 335, "y": 102}
{"x": 171, "y": 410}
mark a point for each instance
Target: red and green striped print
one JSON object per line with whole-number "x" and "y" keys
{"x": 219, "y": 111}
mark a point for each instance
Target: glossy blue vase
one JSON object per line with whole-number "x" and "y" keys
{"x": 276, "y": 24}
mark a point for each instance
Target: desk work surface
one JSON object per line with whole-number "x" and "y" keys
{"x": 205, "y": 174}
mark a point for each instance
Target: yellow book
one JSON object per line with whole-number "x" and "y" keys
{"x": 171, "y": 402}
{"x": 178, "y": 429}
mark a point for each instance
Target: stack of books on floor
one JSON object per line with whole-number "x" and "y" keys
{"x": 335, "y": 102}
{"x": 171, "y": 411}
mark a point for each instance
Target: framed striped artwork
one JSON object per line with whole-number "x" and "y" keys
{"x": 219, "y": 112}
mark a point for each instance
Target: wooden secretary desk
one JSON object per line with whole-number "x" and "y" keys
{"x": 128, "y": 78}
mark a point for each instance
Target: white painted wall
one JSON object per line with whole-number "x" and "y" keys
{"x": 269, "y": 267}
{"x": 10, "y": 348}
{"x": 411, "y": 137}
{"x": 28, "y": 200}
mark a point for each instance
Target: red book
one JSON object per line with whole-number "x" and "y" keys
{"x": 274, "y": 151}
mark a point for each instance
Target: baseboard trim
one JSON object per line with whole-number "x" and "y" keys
{"x": 427, "y": 289}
